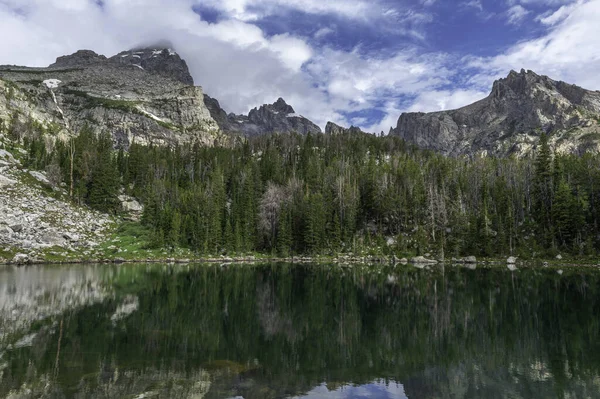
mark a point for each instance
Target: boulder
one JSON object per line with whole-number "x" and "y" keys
{"x": 422, "y": 260}
{"x": 21, "y": 259}
{"x": 6, "y": 182}
{"x": 17, "y": 227}
{"x": 7, "y": 157}
{"x": 130, "y": 204}
{"x": 5, "y": 231}
{"x": 559, "y": 257}
{"x": 39, "y": 176}
{"x": 71, "y": 237}
{"x": 470, "y": 259}
{"x": 511, "y": 260}
{"x": 53, "y": 238}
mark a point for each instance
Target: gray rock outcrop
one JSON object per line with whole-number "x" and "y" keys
{"x": 510, "y": 120}
{"x": 78, "y": 59}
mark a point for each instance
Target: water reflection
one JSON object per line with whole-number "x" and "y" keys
{"x": 378, "y": 389}
{"x": 31, "y": 294}
{"x": 278, "y": 331}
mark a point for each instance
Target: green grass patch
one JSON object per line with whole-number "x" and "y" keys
{"x": 56, "y": 254}
{"x": 34, "y": 82}
{"x": 8, "y": 253}
{"x": 131, "y": 241}
{"x": 166, "y": 125}
{"x": 96, "y": 102}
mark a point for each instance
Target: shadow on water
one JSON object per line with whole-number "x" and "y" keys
{"x": 275, "y": 331}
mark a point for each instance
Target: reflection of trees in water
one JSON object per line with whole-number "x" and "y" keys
{"x": 443, "y": 333}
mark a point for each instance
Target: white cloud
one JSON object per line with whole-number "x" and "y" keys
{"x": 361, "y": 79}
{"x": 569, "y": 51}
{"x": 473, "y": 4}
{"x": 553, "y": 17}
{"x": 249, "y": 10}
{"x": 443, "y": 100}
{"x": 321, "y": 33}
{"x": 516, "y": 14}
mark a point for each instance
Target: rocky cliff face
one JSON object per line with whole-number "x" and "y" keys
{"x": 278, "y": 117}
{"x": 146, "y": 96}
{"x": 162, "y": 61}
{"x": 511, "y": 119}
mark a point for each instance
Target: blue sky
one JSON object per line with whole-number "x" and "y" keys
{"x": 361, "y": 62}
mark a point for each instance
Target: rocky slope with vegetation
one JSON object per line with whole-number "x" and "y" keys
{"x": 511, "y": 119}
{"x": 142, "y": 96}
{"x": 38, "y": 221}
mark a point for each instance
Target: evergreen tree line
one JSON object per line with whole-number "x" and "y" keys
{"x": 323, "y": 194}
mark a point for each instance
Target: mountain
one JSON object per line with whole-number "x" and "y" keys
{"x": 143, "y": 95}
{"x": 278, "y": 117}
{"x": 147, "y": 95}
{"x": 510, "y": 120}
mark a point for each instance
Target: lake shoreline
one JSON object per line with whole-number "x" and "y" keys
{"x": 345, "y": 260}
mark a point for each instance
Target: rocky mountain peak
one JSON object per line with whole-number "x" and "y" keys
{"x": 278, "y": 117}
{"x": 510, "y": 119}
{"x": 79, "y": 58}
{"x": 518, "y": 83}
{"x": 281, "y": 106}
{"x": 159, "y": 60}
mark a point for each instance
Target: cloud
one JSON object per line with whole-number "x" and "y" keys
{"x": 250, "y": 10}
{"x": 516, "y": 14}
{"x": 472, "y": 4}
{"x": 554, "y": 17}
{"x": 321, "y": 33}
{"x": 443, "y": 100}
{"x": 569, "y": 51}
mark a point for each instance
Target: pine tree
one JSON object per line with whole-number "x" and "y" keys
{"x": 104, "y": 184}
{"x": 175, "y": 230}
{"x": 561, "y": 212}
{"x": 543, "y": 189}
{"x": 284, "y": 235}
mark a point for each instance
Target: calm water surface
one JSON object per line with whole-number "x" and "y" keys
{"x": 283, "y": 331}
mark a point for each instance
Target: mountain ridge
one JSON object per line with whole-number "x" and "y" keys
{"x": 510, "y": 119}
{"x": 147, "y": 95}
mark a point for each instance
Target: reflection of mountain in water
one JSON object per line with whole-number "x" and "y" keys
{"x": 28, "y": 295}
{"x": 271, "y": 332}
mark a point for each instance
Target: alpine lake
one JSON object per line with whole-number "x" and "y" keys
{"x": 299, "y": 331}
